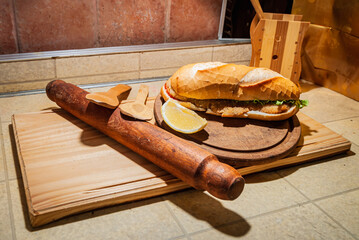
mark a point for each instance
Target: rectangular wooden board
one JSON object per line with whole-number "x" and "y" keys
{"x": 69, "y": 167}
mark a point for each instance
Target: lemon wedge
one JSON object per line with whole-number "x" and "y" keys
{"x": 181, "y": 119}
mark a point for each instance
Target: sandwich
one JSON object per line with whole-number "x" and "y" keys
{"x": 231, "y": 90}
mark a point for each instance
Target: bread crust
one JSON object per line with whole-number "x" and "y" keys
{"x": 233, "y": 82}
{"x": 222, "y": 81}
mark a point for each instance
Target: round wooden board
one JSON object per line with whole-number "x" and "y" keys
{"x": 241, "y": 141}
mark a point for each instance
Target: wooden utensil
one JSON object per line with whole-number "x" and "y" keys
{"x": 186, "y": 161}
{"x": 111, "y": 98}
{"x": 138, "y": 109}
{"x": 257, "y": 7}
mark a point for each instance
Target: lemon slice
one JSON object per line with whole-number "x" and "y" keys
{"x": 182, "y": 119}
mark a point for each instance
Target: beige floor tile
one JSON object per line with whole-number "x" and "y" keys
{"x": 344, "y": 208}
{"x": 84, "y": 66}
{"x": 2, "y": 169}
{"x": 103, "y": 78}
{"x": 348, "y": 128}
{"x": 27, "y": 71}
{"x": 326, "y": 105}
{"x": 23, "y": 104}
{"x": 263, "y": 193}
{"x": 5, "y": 225}
{"x": 326, "y": 177}
{"x": 24, "y": 86}
{"x": 174, "y": 58}
{"x": 2, "y": 159}
{"x": 148, "y": 219}
{"x": 302, "y": 222}
{"x": 165, "y": 72}
{"x": 11, "y": 159}
{"x": 234, "y": 53}
{"x": 197, "y": 210}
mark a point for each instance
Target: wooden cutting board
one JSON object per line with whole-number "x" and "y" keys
{"x": 69, "y": 167}
{"x": 241, "y": 142}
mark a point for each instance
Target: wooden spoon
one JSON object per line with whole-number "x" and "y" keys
{"x": 257, "y": 7}
{"x": 138, "y": 109}
{"x": 111, "y": 98}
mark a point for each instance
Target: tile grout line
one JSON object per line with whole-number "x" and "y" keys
{"x": 179, "y": 237}
{"x": 96, "y": 75}
{"x": 139, "y": 65}
{"x": 84, "y": 86}
{"x": 16, "y": 28}
{"x": 55, "y": 68}
{"x": 309, "y": 201}
{"x": 109, "y": 73}
{"x": 175, "y": 218}
{"x": 96, "y": 27}
{"x": 347, "y": 118}
{"x": 87, "y": 52}
{"x": 212, "y": 52}
{"x": 318, "y": 199}
{"x": 334, "y": 220}
{"x": 83, "y": 76}
{"x": 251, "y": 217}
{"x": 255, "y": 216}
{"x": 7, "y": 184}
{"x": 167, "y": 17}
{"x": 335, "y": 194}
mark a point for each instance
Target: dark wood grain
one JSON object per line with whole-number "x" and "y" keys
{"x": 241, "y": 142}
{"x": 190, "y": 163}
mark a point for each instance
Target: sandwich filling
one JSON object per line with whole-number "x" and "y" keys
{"x": 235, "y": 108}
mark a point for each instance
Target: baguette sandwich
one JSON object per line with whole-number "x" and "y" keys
{"x": 231, "y": 90}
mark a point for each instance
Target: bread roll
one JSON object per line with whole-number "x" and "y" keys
{"x": 217, "y": 80}
{"x": 231, "y": 90}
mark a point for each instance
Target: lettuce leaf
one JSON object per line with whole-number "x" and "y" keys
{"x": 298, "y": 103}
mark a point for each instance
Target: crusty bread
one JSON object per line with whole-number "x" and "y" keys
{"x": 186, "y": 104}
{"x": 196, "y": 86}
{"x": 215, "y": 80}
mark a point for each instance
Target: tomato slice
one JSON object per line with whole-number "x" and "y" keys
{"x": 168, "y": 92}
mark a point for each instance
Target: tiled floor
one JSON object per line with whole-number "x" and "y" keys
{"x": 319, "y": 200}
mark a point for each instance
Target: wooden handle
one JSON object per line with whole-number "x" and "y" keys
{"x": 186, "y": 161}
{"x": 257, "y": 7}
{"x": 119, "y": 89}
{"x": 142, "y": 94}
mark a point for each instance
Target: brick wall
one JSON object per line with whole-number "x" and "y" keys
{"x": 46, "y": 25}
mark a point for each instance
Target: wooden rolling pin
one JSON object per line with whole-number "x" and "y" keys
{"x": 193, "y": 165}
